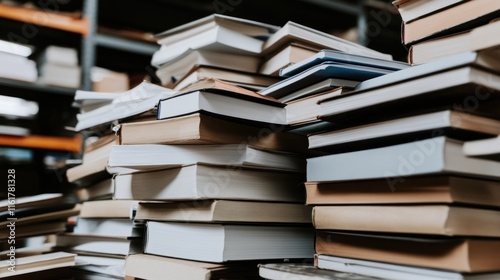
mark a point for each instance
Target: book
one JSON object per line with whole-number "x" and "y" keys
{"x": 321, "y": 72}
{"x": 117, "y": 247}
{"x": 429, "y": 156}
{"x": 112, "y": 227}
{"x": 201, "y": 182}
{"x": 17, "y": 67}
{"x": 37, "y": 263}
{"x": 174, "y": 70}
{"x": 454, "y": 124}
{"x": 457, "y": 254}
{"x": 302, "y": 271}
{"x": 104, "y": 266}
{"x": 321, "y": 86}
{"x": 217, "y": 38}
{"x": 31, "y": 201}
{"x": 59, "y": 55}
{"x": 224, "y": 211}
{"x": 202, "y": 128}
{"x": 34, "y": 229}
{"x": 459, "y": 17}
{"x": 294, "y": 32}
{"x": 240, "y": 25}
{"x": 414, "y": 9}
{"x": 138, "y": 100}
{"x": 248, "y": 80}
{"x": 475, "y": 39}
{"x": 483, "y": 59}
{"x": 187, "y": 269}
{"x": 108, "y": 209}
{"x": 409, "y": 219}
{"x": 443, "y": 88}
{"x": 411, "y": 190}
{"x": 284, "y": 57}
{"x": 484, "y": 148}
{"x": 343, "y": 58}
{"x": 394, "y": 271}
{"x": 60, "y": 75}
{"x": 243, "y": 107}
{"x": 157, "y": 156}
{"x": 222, "y": 243}
{"x": 307, "y": 109}
{"x": 59, "y": 212}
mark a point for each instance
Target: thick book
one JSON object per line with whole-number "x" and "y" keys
{"x": 409, "y": 219}
{"x": 284, "y": 57}
{"x": 321, "y": 72}
{"x": 341, "y": 57}
{"x": 414, "y": 9}
{"x": 303, "y": 271}
{"x": 138, "y": 100}
{"x": 157, "y": 156}
{"x": 438, "y": 155}
{"x": 202, "y": 128}
{"x": 457, "y": 254}
{"x": 187, "y": 269}
{"x": 248, "y": 80}
{"x": 394, "y": 271}
{"x": 462, "y": 16}
{"x": 476, "y": 39}
{"x": 174, "y": 70}
{"x": 221, "y": 243}
{"x": 251, "y": 108}
{"x": 201, "y": 182}
{"x": 108, "y": 209}
{"x": 37, "y": 263}
{"x": 224, "y": 211}
{"x": 445, "y": 88}
{"x": 294, "y": 32}
{"x": 455, "y": 124}
{"x": 411, "y": 190}
{"x": 485, "y": 148}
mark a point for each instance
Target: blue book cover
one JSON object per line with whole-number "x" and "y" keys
{"x": 341, "y": 57}
{"x": 321, "y": 72}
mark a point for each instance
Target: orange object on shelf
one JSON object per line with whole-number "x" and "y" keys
{"x": 45, "y": 18}
{"x": 43, "y": 142}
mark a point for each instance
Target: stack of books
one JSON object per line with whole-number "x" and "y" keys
{"x": 243, "y": 52}
{"x": 399, "y": 195}
{"x": 105, "y": 234}
{"x": 219, "y": 184}
{"x": 59, "y": 66}
{"x": 433, "y": 29}
{"x": 28, "y": 225}
{"x": 215, "y": 46}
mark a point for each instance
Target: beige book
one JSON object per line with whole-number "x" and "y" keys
{"x": 108, "y": 208}
{"x": 458, "y": 254}
{"x": 286, "y": 56}
{"x": 427, "y": 189}
{"x": 411, "y": 219}
{"x": 36, "y": 263}
{"x": 225, "y": 211}
{"x": 200, "y": 128}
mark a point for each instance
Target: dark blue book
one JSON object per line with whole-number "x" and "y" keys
{"x": 321, "y": 72}
{"x": 341, "y": 57}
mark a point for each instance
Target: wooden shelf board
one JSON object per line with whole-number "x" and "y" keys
{"x": 45, "y": 18}
{"x": 43, "y": 142}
